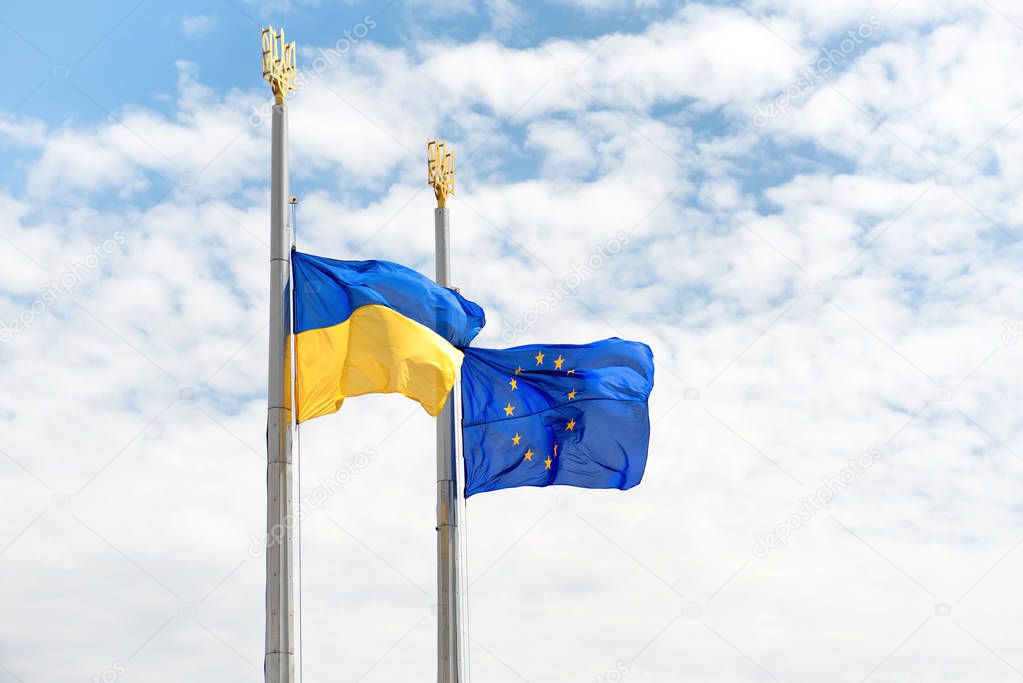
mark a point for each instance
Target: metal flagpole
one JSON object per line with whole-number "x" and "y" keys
{"x": 441, "y": 176}
{"x": 279, "y": 661}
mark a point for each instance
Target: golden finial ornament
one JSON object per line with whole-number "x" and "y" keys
{"x": 440, "y": 170}
{"x": 279, "y": 63}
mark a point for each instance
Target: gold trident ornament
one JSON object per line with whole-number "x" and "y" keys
{"x": 440, "y": 170}
{"x": 278, "y": 63}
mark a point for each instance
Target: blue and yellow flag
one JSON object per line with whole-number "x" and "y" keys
{"x": 556, "y": 414}
{"x": 365, "y": 327}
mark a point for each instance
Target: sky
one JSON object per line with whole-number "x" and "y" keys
{"x": 806, "y": 208}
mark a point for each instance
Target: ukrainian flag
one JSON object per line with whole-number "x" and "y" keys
{"x": 366, "y": 327}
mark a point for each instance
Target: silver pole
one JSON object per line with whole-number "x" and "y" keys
{"x": 279, "y": 663}
{"x": 449, "y": 662}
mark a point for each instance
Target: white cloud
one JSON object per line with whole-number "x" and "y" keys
{"x": 611, "y": 5}
{"x": 810, "y": 288}
{"x": 199, "y": 24}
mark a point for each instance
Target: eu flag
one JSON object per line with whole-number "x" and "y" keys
{"x": 548, "y": 414}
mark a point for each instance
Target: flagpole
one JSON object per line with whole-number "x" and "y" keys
{"x": 279, "y": 660}
{"x": 441, "y": 176}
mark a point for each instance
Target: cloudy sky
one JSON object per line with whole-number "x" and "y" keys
{"x": 814, "y": 218}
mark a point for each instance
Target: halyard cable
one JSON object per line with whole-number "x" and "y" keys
{"x": 293, "y": 201}
{"x": 465, "y": 592}
{"x": 465, "y": 534}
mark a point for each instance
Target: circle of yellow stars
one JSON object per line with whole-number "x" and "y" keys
{"x": 509, "y": 409}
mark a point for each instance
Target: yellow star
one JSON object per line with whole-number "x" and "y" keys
{"x": 571, "y": 425}
{"x": 571, "y": 395}
{"x": 518, "y": 370}
{"x": 539, "y": 357}
{"x": 558, "y": 362}
{"x": 548, "y": 462}
{"x": 514, "y": 384}
{"x": 516, "y": 439}
{"x": 529, "y": 454}
{"x": 509, "y": 410}
{"x": 570, "y": 372}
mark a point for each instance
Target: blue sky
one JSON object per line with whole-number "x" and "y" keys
{"x": 85, "y": 66}
{"x": 127, "y": 66}
{"x": 812, "y": 208}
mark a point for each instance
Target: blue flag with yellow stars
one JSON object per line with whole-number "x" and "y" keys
{"x": 565, "y": 414}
